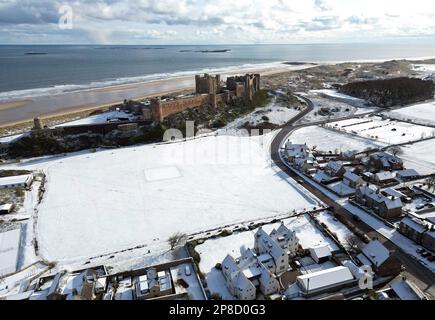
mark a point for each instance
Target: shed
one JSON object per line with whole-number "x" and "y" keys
{"x": 320, "y": 281}
{"x": 321, "y": 253}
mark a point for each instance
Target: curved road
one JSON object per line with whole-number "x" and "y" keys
{"x": 421, "y": 275}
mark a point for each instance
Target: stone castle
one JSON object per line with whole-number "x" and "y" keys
{"x": 209, "y": 90}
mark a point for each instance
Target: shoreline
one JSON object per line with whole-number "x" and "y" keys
{"x": 49, "y": 107}
{"x": 73, "y": 103}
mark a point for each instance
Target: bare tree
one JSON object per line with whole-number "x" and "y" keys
{"x": 176, "y": 240}
{"x": 396, "y": 150}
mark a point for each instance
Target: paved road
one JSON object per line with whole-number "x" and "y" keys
{"x": 421, "y": 275}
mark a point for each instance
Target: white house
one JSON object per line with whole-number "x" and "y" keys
{"x": 237, "y": 283}
{"x": 257, "y": 270}
{"x": 296, "y": 151}
{"x": 279, "y": 245}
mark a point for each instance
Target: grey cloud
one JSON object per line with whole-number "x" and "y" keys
{"x": 29, "y": 12}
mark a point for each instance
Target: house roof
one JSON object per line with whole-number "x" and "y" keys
{"x": 325, "y": 278}
{"x": 7, "y": 181}
{"x": 384, "y": 176}
{"x": 351, "y": 176}
{"x": 321, "y": 251}
{"x": 335, "y": 165}
{"x": 406, "y": 290}
{"x": 7, "y": 206}
{"x": 416, "y": 224}
{"x": 407, "y": 173}
{"x": 376, "y": 253}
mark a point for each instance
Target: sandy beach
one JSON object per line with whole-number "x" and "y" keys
{"x": 19, "y": 112}
{"x": 14, "y": 104}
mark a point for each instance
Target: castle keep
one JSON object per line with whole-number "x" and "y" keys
{"x": 209, "y": 90}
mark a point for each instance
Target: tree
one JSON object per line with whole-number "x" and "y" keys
{"x": 176, "y": 239}
{"x": 396, "y": 150}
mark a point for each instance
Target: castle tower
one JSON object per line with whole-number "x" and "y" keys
{"x": 156, "y": 106}
{"x": 37, "y": 124}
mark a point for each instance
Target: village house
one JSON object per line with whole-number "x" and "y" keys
{"x": 335, "y": 169}
{"x": 257, "y": 270}
{"x": 296, "y": 151}
{"x": 383, "y": 178}
{"x": 153, "y": 284}
{"x": 379, "y": 258}
{"x": 407, "y": 175}
{"x": 306, "y": 165}
{"x": 352, "y": 180}
{"x": 419, "y": 230}
{"x": 280, "y": 245}
{"x": 370, "y": 197}
{"x": 385, "y": 161}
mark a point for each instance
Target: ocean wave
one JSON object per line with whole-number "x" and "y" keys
{"x": 62, "y": 89}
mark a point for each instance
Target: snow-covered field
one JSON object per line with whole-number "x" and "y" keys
{"x": 274, "y": 113}
{"x": 329, "y": 140}
{"x": 101, "y": 202}
{"x": 420, "y": 156}
{"x": 423, "y": 113}
{"x": 386, "y": 131}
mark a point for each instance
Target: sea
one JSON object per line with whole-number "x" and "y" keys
{"x": 32, "y": 71}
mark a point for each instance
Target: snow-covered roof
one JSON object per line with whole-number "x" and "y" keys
{"x": 271, "y": 246}
{"x": 6, "y": 207}
{"x": 9, "y": 247}
{"x": 335, "y": 165}
{"x": 324, "y": 279}
{"x": 321, "y": 176}
{"x": 376, "y": 252}
{"x": 384, "y": 176}
{"x": 407, "y": 173}
{"x": 320, "y": 251}
{"x": 393, "y": 192}
{"x": 406, "y": 290}
{"x": 356, "y": 271}
{"x": 13, "y": 180}
{"x": 351, "y": 176}
{"x": 416, "y": 224}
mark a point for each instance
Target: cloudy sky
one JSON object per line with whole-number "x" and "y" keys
{"x": 213, "y": 21}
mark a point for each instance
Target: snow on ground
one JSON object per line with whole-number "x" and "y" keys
{"x": 420, "y": 156}
{"x": 423, "y": 113}
{"x": 425, "y": 69}
{"x": 99, "y": 118}
{"x": 275, "y": 113}
{"x": 101, "y": 202}
{"x": 340, "y": 96}
{"x": 214, "y": 251}
{"x": 384, "y": 130}
{"x": 335, "y": 226}
{"x": 329, "y": 140}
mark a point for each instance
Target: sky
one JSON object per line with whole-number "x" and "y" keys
{"x": 213, "y": 21}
